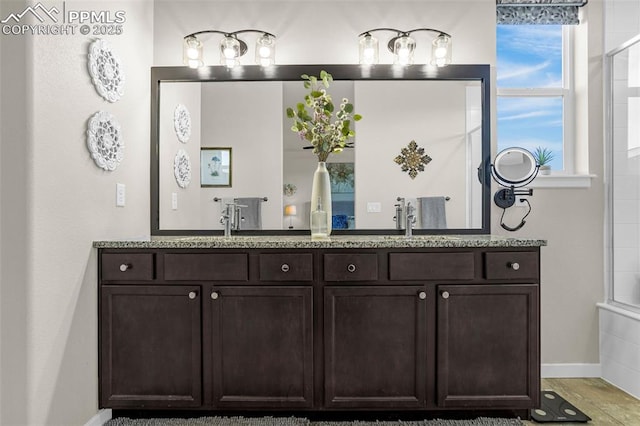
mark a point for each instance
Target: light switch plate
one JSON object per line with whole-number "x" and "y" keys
{"x": 120, "y": 194}
{"x": 174, "y": 201}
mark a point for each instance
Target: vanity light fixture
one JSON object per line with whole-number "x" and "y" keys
{"x": 403, "y": 46}
{"x": 231, "y": 48}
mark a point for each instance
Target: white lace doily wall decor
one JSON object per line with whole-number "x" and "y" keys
{"x": 182, "y": 123}
{"x": 182, "y": 168}
{"x": 104, "y": 140}
{"x": 106, "y": 70}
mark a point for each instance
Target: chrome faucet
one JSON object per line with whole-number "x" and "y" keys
{"x": 227, "y": 218}
{"x": 411, "y": 220}
{"x": 400, "y": 217}
{"x": 231, "y": 218}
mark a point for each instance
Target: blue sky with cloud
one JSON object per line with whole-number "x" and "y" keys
{"x": 530, "y": 56}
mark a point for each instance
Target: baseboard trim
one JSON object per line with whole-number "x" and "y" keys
{"x": 100, "y": 418}
{"x": 550, "y": 371}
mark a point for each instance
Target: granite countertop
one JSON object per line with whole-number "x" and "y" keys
{"x": 305, "y": 242}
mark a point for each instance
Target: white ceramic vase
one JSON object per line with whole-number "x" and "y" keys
{"x": 321, "y": 191}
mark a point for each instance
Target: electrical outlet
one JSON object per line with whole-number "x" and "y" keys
{"x": 374, "y": 207}
{"x": 521, "y": 202}
{"x": 174, "y": 201}
{"x": 120, "y": 194}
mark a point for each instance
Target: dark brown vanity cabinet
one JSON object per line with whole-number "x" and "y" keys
{"x": 487, "y": 346}
{"x": 261, "y": 346}
{"x": 150, "y": 351}
{"x": 320, "y": 329}
{"x": 374, "y": 346}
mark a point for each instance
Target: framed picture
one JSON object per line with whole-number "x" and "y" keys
{"x": 215, "y": 167}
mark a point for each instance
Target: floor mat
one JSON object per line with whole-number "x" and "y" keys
{"x": 555, "y": 408}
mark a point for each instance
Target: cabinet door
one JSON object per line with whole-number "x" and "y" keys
{"x": 262, "y": 346}
{"x": 488, "y": 346}
{"x": 375, "y": 339}
{"x": 150, "y": 354}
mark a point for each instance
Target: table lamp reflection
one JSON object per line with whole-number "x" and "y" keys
{"x": 290, "y": 211}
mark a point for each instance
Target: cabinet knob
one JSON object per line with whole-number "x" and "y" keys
{"x": 422, "y": 295}
{"x": 351, "y": 267}
{"x": 215, "y": 295}
{"x": 192, "y": 295}
{"x": 514, "y": 265}
{"x": 124, "y": 267}
{"x": 285, "y": 267}
{"x": 445, "y": 294}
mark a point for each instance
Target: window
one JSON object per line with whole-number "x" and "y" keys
{"x": 534, "y": 88}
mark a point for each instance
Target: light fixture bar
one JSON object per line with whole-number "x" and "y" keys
{"x": 402, "y": 46}
{"x": 231, "y": 48}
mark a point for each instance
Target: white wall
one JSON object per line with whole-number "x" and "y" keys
{"x": 55, "y": 203}
{"x": 397, "y": 117}
{"x": 247, "y": 121}
{"x": 187, "y": 215}
{"x": 572, "y": 222}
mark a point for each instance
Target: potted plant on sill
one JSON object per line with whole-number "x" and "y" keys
{"x": 543, "y": 157}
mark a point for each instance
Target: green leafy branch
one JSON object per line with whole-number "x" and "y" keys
{"x": 314, "y": 119}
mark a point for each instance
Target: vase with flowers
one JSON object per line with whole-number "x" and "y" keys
{"x": 328, "y": 129}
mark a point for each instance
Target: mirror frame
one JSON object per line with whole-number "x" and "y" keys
{"x": 473, "y": 72}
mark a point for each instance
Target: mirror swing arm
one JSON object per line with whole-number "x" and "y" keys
{"x": 521, "y": 169}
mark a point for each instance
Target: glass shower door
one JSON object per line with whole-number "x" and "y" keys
{"x": 623, "y": 207}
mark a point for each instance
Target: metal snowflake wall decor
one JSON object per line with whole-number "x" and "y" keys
{"x": 106, "y": 71}
{"x": 104, "y": 140}
{"x": 412, "y": 159}
{"x": 182, "y": 123}
{"x": 182, "y": 168}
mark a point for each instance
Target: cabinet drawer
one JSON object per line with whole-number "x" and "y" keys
{"x": 350, "y": 267}
{"x": 206, "y": 267}
{"x": 127, "y": 266}
{"x": 431, "y": 266}
{"x": 286, "y": 267}
{"x": 511, "y": 265}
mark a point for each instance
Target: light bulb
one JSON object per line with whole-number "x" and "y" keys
{"x": 192, "y": 52}
{"x": 265, "y": 50}
{"x": 368, "y": 50}
{"x": 230, "y": 52}
{"x": 441, "y": 50}
{"x": 403, "y": 48}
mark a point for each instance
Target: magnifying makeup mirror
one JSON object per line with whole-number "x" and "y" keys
{"x": 513, "y": 168}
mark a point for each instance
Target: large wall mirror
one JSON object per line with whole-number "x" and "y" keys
{"x": 219, "y": 135}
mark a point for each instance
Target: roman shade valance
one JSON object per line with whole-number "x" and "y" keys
{"x": 555, "y": 12}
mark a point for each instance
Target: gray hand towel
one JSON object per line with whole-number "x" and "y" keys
{"x": 432, "y": 213}
{"x": 252, "y": 214}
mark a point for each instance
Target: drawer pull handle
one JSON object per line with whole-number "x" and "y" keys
{"x": 422, "y": 295}
{"x": 215, "y": 295}
{"x": 285, "y": 267}
{"x": 445, "y": 294}
{"x": 515, "y": 265}
{"x": 125, "y": 267}
{"x": 192, "y": 295}
{"x": 351, "y": 267}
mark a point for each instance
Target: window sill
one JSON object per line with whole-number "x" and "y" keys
{"x": 562, "y": 181}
